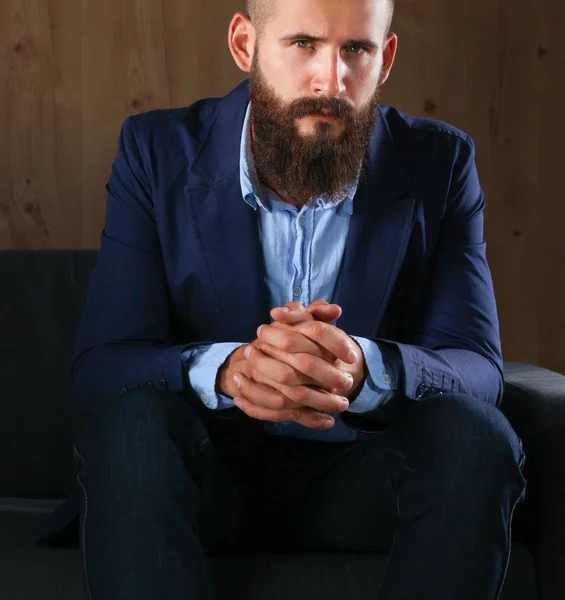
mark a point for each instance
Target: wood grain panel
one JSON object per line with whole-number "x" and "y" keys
{"x": 491, "y": 69}
{"x": 124, "y": 72}
{"x": 5, "y": 111}
{"x": 547, "y": 200}
{"x": 140, "y": 55}
{"x": 72, "y": 70}
{"x": 31, "y": 206}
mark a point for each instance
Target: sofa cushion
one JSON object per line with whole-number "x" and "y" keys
{"x": 40, "y": 305}
{"x": 55, "y": 574}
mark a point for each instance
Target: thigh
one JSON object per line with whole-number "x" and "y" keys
{"x": 143, "y": 434}
{"x": 336, "y": 497}
{"x": 347, "y": 496}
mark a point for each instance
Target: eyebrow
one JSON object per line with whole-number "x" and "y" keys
{"x": 294, "y": 37}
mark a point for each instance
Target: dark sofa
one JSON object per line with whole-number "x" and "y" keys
{"x": 40, "y": 305}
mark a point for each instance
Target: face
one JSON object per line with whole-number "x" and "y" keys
{"x": 324, "y": 49}
{"x": 315, "y": 161}
{"x": 314, "y": 87}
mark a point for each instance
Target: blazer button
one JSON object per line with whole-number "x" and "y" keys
{"x": 149, "y": 384}
{"x": 124, "y": 390}
{"x": 421, "y": 391}
{"x": 162, "y": 384}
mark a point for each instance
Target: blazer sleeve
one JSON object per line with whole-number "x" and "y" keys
{"x": 456, "y": 335}
{"x": 457, "y": 330}
{"x": 122, "y": 341}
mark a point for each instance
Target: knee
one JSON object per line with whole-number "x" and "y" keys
{"x": 468, "y": 433}
{"x": 137, "y": 423}
{"x": 143, "y": 443}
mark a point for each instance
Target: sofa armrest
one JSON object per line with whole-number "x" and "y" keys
{"x": 534, "y": 403}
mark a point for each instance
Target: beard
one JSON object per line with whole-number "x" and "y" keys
{"x": 320, "y": 165}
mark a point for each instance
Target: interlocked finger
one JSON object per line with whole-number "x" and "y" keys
{"x": 305, "y": 416}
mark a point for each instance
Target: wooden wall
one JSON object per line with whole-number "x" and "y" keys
{"x": 72, "y": 70}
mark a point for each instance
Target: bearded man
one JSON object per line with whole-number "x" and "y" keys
{"x": 290, "y": 340}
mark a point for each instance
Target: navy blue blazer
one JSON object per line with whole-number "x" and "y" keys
{"x": 181, "y": 262}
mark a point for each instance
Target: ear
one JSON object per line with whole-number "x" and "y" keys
{"x": 241, "y": 40}
{"x": 389, "y": 53}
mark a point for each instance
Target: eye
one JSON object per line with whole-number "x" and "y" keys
{"x": 303, "y": 43}
{"x": 353, "y": 49}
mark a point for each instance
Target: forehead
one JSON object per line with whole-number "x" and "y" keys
{"x": 335, "y": 18}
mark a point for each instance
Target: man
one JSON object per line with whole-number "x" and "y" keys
{"x": 293, "y": 297}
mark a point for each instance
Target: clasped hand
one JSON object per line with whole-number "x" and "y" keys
{"x": 299, "y": 367}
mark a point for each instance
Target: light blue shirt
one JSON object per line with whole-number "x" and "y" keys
{"x": 303, "y": 251}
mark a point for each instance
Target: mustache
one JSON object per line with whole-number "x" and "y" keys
{"x": 303, "y": 107}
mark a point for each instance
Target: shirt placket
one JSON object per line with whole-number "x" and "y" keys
{"x": 300, "y": 288}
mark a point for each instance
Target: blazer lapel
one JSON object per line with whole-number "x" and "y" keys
{"x": 378, "y": 236}
{"x": 227, "y": 227}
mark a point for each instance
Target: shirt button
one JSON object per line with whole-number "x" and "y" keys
{"x": 204, "y": 399}
{"x": 302, "y": 219}
{"x": 297, "y": 291}
{"x": 386, "y": 379}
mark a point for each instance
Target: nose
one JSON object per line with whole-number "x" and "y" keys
{"x": 329, "y": 78}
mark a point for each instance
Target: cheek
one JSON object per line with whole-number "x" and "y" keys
{"x": 287, "y": 75}
{"x": 363, "y": 83}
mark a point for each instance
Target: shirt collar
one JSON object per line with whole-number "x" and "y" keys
{"x": 251, "y": 188}
{"x": 254, "y": 193}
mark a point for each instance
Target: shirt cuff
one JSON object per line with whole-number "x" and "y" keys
{"x": 201, "y": 365}
{"x": 381, "y": 381}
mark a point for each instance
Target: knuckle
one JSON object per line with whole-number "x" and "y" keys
{"x": 315, "y": 328}
{"x": 299, "y": 394}
{"x": 279, "y": 402}
{"x": 286, "y": 376}
{"x": 305, "y": 362}
{"x": 287, "y": 344}
{"x": 295, "y": 414}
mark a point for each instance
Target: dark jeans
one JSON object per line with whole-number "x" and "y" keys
{"x": 166, "y": 482}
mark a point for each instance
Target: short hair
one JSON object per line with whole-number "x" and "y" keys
{"x": 260, "y": 12}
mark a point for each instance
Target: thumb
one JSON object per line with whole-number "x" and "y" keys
{"x": 292, "y": 312}
{"x": 325, "y": 312}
